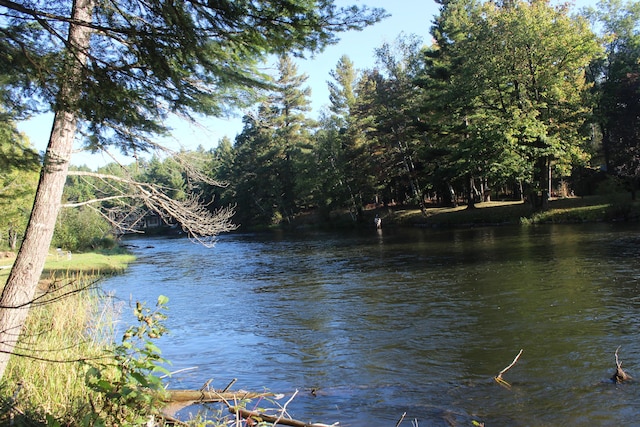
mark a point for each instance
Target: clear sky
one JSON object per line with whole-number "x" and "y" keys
{"x": 407, "y": 16}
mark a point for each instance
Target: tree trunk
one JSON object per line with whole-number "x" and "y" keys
{"x": 19, "y": 291}
{"x": 13, "y": 238}
{"x": 471, "y": 193}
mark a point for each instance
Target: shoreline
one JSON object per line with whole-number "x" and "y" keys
{"x": 91, "y": 264}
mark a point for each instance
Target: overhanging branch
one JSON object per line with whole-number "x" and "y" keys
{"x": 93, "y": 201}
{"x": 201, "y": 224}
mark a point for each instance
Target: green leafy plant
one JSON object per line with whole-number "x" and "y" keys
{"x": 129, "y": 390}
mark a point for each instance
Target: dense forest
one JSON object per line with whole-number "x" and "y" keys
{"x": 514, "y": 99}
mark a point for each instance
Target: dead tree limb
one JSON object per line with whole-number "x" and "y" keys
{"x": 259, "y": 417}
{"x": 232, "y": 382}
{"x": 212, "y": 396}
{"x": 499, "y": 379}
{"x": 283, "y": 410}
{"x": 200, "y": 223}
{"x": 180, "y": 399}
{"x": 620, "y": 375}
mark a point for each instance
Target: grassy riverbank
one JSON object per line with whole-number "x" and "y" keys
{"x": 66, "y": 265}
{"x": 618, "y": 207}
{"x": 48, "y": 379}
{"x": 69, "y": 325}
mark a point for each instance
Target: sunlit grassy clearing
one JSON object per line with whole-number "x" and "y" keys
{"x": 577, "y": 209}
{"x": 91, "y": 263}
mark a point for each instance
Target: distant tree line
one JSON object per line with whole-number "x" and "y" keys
{"x": 515, "y": 99}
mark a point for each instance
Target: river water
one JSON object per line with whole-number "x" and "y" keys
{"x": 383, "y": 322}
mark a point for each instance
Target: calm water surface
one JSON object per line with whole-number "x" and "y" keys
{"x": 415, "y": 321}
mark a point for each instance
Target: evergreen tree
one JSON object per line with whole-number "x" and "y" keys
{"x": 115, "y": 70}
{"x": 337, "y": 146}
{"x": 617, "y": 79}
{"x": 273, "y": 166}
{"x": 221, "y": 169}
{"x": 342, "y": 88}
{"x": 397, "y": 117}
{"x": 331, "y": 192}
{"x": 292, "y": 142}
{"x": 364, "y": 159}
{"x": 254, "y": 186}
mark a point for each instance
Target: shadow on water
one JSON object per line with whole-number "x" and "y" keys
{"x": 415, "y": 321}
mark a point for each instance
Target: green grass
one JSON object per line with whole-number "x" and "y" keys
{"x": 69, "y": 325}
{"x": 617, "y": 207}
{"x": 91, "y": 263}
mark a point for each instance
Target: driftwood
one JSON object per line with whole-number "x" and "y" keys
{"x": 180, "y": 399}
{"x": 255, "y": 417}
{"x": 620, "y": 375}
{"x": 213, "y": 396}
{"x": 258, "y": 417}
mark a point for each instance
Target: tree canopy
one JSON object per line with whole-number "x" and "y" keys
{"x": 161, "y": 57}
{"x": 511, "y": 79}
{"x": 616, "y": 77}
{"x": 501, "y": 102}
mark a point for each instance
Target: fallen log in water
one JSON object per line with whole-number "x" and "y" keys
{"x": 213, "y": 395}
{"x": 259, "y": 417}
{"x": 180, "y": 399}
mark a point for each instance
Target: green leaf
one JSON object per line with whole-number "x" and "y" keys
{"x": 151, "y": 348}
{"x": 163, "y": 300}
{"x": 140, "y": 379}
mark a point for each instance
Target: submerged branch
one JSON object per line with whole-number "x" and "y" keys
{"x": 260, "y": 416}
{"x": 499, "y": 379}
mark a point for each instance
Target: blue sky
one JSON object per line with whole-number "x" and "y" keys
{"x": 407, "y": 16}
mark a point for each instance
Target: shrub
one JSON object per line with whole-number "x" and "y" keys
{"x": 81, "y": 229}
{"x": 129, "y": 390}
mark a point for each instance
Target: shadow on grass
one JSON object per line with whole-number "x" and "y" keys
{"x": 570, "y": 210}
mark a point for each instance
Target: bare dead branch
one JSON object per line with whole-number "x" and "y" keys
{"x": 232, "y": 382}
{"x": 244, "y": 413}
{"x": 201, "y": 224}
{"x": 283, "y": 410}
{"x": 499, "y": 379}
{"x": 190, "y": 164}
{"x": 93, "y": 201}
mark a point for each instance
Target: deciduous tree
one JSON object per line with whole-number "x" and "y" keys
{"x": 517, "y": 73}
{"x": 19, "y": 166}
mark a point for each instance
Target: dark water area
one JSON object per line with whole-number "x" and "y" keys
{"x": 382, "y": 322}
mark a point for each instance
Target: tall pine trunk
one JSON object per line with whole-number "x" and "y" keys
{"x": 22, "y": 283}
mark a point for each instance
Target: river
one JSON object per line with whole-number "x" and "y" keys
{"x": 378, "y": 323}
